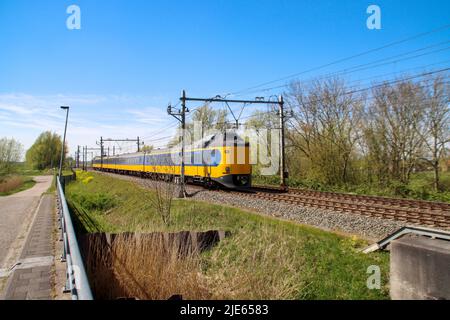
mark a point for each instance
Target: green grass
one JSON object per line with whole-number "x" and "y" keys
{"x": 264, "y": 258}
{"x": 26, "y": 183}
{"x": 420, "y": 187}
{"x": 52, "y": 188}
{"x": 25, "y": 170}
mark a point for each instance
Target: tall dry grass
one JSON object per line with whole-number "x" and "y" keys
{"x": 257, "y": 265}
{"x": 10, "y": 183}
{"x": 143, "y": 267}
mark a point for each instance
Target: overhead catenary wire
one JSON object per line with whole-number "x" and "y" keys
{"x": 161, "y": 130}
{"x": 154, "y": 135}
{"x": 289, "y": 120}
{"x": 374, "y": 86}
{"x": 152, "y": 141}
{"x": 338, "y": 61}
{"x": 358, "y": 68}
{"x": 376, "y": 63}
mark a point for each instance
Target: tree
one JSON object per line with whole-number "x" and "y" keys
{"x": 10, "y": 153}
{"x": 397, "y": 114}
{"x": 204, "y": 115}
{"x": 265, "y": 124}
{"x": 46, "y": 151}
{"x": 204, "y": 119}
{"x": 437, "y": 119}
{"x": 207, "y": 119}
{"x": 263, "y": 120}
{"x": 324, "y": 127}
{"x": 147, "y": 148}
{"x": 221, "y": 120}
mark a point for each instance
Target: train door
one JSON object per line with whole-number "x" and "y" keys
{"x": 210, "y": 157}
{"x": 195, "y": 163}
{"x": 206, "y": 168}
{"x": 211, "y": 161}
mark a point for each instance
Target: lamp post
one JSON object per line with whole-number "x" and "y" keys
{"x": 64, "y": 141}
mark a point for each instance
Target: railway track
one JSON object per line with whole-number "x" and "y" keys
{"x": 428, "y": 213}
{"x": 425, "y": 213}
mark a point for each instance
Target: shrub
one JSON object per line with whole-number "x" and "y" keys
{"x": 11, "y": 183}
{"x": 400, "y": 189}
{"x": 87, "y": 180}
{"x": 95, "y": 201}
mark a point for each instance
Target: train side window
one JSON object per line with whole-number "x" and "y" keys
{"x": 213, "y": 157}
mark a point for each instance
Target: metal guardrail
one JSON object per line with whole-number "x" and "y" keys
{"x": 421, "y": 231}
{"x": 77, "y": 282}
{"x": 67, "y": 178}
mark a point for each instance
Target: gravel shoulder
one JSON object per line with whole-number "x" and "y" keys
{"x": 369, "y": 228}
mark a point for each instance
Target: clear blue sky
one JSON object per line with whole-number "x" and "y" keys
{"x": 131, "y": 58}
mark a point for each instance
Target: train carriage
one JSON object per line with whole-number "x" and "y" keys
{"x": 220, "y": 159}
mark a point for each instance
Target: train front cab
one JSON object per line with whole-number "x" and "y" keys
{"x": 235, "y": 170}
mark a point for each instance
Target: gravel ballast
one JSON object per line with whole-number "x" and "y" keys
{"x": 371, "y": 228}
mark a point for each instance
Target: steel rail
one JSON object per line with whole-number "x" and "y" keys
{"x": 389, "y": 209}
{"x": 369, "y": 199}
{"x": 428, "y": 213}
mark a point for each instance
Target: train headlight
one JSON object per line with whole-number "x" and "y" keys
{"x": 227, "y": 169}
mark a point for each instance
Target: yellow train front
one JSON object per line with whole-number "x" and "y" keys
{"x": 217, "y": 160}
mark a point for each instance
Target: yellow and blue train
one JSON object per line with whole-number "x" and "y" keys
{"x": 217, "y": 160}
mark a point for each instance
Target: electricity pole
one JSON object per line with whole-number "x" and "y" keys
{"x": 78, "y": 157}
{"x": 84, "y": 158}
{"x": 183, "y": 127}
{"x": 283, "y": 173}
{"x": 279, "y": 102}
{"x": 180, "y": 115}
{"x": 101, "y": 151}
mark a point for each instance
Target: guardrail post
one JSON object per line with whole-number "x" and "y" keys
{"x": 64, "y": 253}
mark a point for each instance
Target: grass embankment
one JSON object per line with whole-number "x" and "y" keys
{"x": 420, "y": 187}
{"x": 264, "y": 258}
{"x": 13, "y": 184}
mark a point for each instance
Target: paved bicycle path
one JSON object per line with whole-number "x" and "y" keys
{"x": 26, "y": 252}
